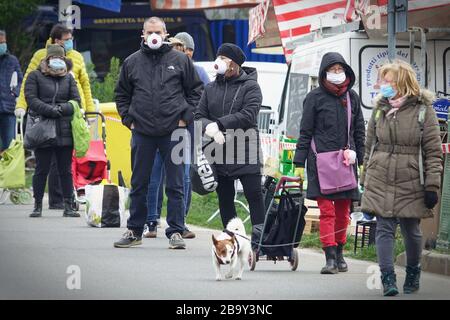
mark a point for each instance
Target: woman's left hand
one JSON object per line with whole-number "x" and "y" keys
{"x": 431, "y": 199}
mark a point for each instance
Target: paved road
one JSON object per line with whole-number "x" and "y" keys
{"x": 36, "y": 253}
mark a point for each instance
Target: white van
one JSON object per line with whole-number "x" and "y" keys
{"x": 271, "y": 78}
{"x": 365, "y": 56}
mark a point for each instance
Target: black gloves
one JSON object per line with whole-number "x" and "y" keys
{"x": 56, "y": 112}
{"x": 431, "y": 199}
{"x": 66, "y": 109}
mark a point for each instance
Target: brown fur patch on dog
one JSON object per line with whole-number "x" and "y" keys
{"x": 221, "y": 246}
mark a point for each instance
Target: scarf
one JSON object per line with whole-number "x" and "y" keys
{"x": 337, "y": 89}
{"x": 396, "y": 104}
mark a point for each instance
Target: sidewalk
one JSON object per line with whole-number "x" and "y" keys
{"x": 36, "y": 254}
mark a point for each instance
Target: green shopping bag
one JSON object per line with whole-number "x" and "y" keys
{"x": 12, "y": 164}
{"x": 80, "y": 131}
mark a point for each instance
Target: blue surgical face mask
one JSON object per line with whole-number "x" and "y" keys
{"x": 57, "y": 64}
{"x": 387, "y": 91}
{"x": 68, "y": 45}
{"x": 3, "y": 48}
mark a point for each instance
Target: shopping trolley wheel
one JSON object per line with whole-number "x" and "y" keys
{"x": 15, "y": 197}
{"x": 252, "y": 260}
{"x": 294, "y": 260}
{"x": 25, "y": 197}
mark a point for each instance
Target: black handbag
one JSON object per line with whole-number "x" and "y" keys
{"x": 40, "y": 132}
{"x": 203, "y": 173}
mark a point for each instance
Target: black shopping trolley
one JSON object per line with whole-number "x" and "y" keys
{"x": 283, "y": 224}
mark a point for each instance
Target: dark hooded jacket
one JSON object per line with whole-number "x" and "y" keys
{"x": 216, "y": 105}
{"x": 8, "y": 65}
{"x": 48, "y": 96}
{"x": 325, "y": 119}
{"x": 157, "y": 89}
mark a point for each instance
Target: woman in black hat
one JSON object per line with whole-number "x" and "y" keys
{"x": 228, "y": 112}
{"x": 47, "y": 92}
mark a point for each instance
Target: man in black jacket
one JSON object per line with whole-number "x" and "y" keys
{"x": 156, "y": 94}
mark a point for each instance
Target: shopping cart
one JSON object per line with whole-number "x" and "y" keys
{"x": 283, "y": 224}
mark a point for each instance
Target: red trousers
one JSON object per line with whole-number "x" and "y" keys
{"x": 334, "y": 219}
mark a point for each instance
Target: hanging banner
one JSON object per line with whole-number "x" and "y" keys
{"x": 257, "y": 18}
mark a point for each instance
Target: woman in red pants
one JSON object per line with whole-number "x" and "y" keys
{"x": 325, "y": 121}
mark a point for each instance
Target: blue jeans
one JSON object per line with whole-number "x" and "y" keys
{"x": 155, "y": 190}
{"x": 7, "y": 129}
{"x": 143, "y": 153}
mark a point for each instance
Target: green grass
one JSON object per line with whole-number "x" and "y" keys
{"x": 202, "y": 207}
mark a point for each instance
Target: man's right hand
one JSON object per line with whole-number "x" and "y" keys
{"x": 132, "y": 126}
{"x": 300, "y": 172}
{"x": 19, "y": 112}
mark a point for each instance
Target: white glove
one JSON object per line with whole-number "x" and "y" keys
{"x": 219, "y": 138}
{"x": 19, "y": 112}
{"x": 211, "y": 129}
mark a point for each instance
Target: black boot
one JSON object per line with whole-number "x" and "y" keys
{"x": 37, "y": 211}
{"x": 331, "y": 266}
{"x": 389, "y": 281}
{"x": 412, "y": 279}
{"x": 342, "y": 265}
{"x": 68, "y": 210}
{"x": 256, "y": 235}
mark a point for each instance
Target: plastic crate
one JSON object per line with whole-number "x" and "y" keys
{"x": 287, "y": 149}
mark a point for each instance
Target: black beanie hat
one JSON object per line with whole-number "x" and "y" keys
{"x": 233, "y": 52}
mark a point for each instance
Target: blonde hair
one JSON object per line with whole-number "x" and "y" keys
{"x": 404, "y": 76}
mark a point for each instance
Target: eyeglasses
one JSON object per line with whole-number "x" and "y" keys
{"x": 336, "y": 69}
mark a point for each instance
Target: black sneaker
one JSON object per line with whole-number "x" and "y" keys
{"x": 129, "y": 239}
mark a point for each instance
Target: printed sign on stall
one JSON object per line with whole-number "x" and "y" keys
{"x": 372, "y": 58}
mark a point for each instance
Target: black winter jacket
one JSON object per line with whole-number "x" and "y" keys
{"x": 325, "y": 119}
{"x": 215, "y": 106}
{"x": 48, "y": 96}
{"x": 156, "y": 89}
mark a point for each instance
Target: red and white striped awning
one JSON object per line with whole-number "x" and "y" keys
{"x": 298, "y": 18}
{"x": 200, "y": 4}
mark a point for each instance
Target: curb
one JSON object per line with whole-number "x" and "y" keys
{"x": 431, "y": 262}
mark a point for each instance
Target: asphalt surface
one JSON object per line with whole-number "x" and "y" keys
{"x": 40, "y": 257}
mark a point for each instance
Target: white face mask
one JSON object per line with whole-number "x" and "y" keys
{"x": 336, "y": 78}
{"x": 154, "y": 41}
{"x": 220, "y": 66}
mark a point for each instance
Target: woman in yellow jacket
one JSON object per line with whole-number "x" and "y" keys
{"x": 62, "y": 35}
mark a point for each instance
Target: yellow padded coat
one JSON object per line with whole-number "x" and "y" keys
{"x": 78, "y": 71}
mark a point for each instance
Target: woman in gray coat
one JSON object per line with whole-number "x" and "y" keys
{"x": 402, "y": 169}
{"x": 47, "y": 92}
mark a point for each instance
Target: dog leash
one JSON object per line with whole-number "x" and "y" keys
{"x": 231, "y": 234}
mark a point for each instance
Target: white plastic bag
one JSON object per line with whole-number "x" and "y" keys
{"x": 106, "y": 206}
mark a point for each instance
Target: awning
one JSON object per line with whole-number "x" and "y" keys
{"x": 297, "y": 19}
{"x": 110, "y": 5}
{"x": 200, "y": 4}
